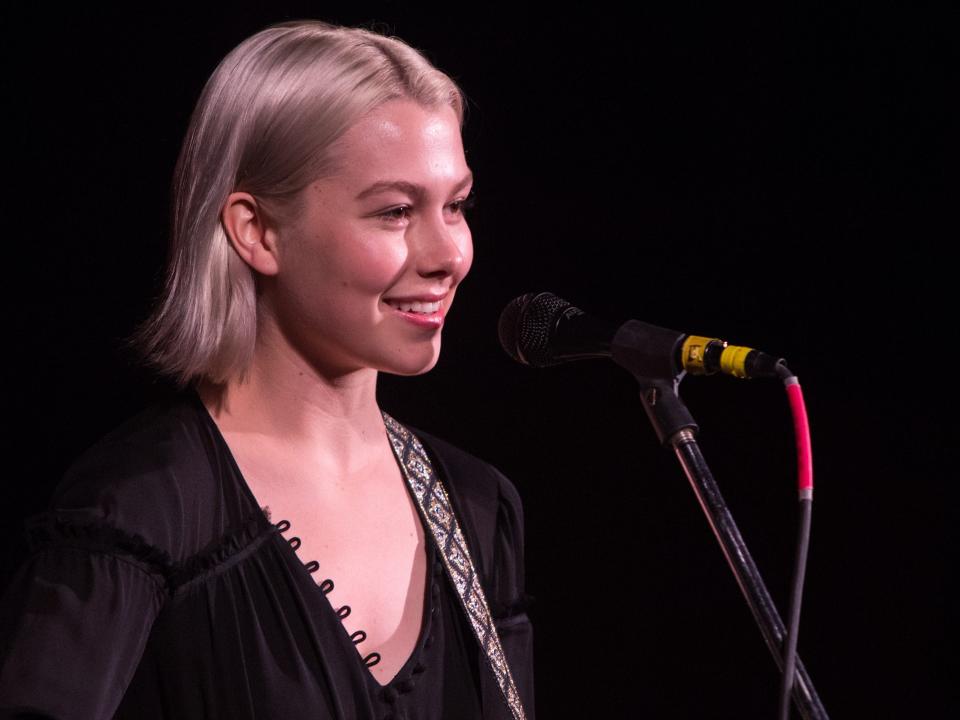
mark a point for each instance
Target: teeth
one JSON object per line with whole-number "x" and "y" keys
{"x": 416, "y": 306}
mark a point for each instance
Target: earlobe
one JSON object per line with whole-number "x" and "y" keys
{"x": 245, "y": 226}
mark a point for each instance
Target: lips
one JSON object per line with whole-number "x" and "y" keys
{"x": 424, "y": 302}
{"x": 422, "y": 310}
{"x": 415, "y": 306}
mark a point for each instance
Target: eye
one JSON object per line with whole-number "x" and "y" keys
{"x": 398, "y": 213}
{"x": 459, "y": 206}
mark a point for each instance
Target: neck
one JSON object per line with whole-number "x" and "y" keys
{"x": 288, "y": 403}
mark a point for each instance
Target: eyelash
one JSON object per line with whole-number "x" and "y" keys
{"x": 465, "y": 204}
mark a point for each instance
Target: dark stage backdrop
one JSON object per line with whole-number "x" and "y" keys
{"x": 772, "y": 176}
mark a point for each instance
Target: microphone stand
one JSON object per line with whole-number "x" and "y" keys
{"x": 675, "y": 427}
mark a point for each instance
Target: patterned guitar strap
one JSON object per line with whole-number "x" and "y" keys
{"x": 437, "y": 513}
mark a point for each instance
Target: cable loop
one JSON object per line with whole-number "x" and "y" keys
{"x": 356, "y": 637}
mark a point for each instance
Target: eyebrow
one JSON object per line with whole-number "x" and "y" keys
{"x": 407, "y": 187}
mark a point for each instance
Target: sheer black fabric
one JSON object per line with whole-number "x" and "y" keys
{"x": 157, "y": 588}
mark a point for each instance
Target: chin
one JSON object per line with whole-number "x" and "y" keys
{"x": 410, "y": 371}
{"x": 412, "y": 366}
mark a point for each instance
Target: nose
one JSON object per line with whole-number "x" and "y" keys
{"x": 442, "y": 249}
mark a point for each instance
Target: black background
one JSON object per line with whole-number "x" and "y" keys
{"x": 773, "y": 176}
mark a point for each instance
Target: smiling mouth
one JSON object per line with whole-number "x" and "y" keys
{"x": 421, "y": 308}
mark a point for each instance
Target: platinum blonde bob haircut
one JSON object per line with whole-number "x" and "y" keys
{"x": 264, "y": 124}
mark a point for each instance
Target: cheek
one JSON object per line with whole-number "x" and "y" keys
{"x": 368, "y": 265}
{"x": 326, "y": 276}
{"x": 381, "y": 263}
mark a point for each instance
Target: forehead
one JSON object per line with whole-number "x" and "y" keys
{"x": 403, "y": 136}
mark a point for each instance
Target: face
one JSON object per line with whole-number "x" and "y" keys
{"x": 368, "y": 273}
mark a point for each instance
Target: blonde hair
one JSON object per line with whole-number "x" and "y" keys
{"x": 264, "y": 124}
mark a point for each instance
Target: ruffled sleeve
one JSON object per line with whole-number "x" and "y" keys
{"x": 76, "y": 617}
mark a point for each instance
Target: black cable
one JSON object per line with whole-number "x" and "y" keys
{"x": 796, "y": 595}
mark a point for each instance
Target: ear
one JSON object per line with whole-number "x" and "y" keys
{"x": 245, "y": 225}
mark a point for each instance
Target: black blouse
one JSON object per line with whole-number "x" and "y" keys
{"x": 156, "y": 587}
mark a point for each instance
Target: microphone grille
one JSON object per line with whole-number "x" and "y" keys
{"x": 526, "y": 326}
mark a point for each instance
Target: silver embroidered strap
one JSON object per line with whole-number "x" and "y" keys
{"x": 437, "y": 512}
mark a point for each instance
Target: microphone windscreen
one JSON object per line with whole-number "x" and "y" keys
{"x": 527, "y": 325}
{"x": 508, "y": 327}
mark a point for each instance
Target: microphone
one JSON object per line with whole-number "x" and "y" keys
{"x": 540, "y": 329}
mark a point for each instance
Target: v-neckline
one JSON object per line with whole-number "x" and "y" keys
{"x": 405, "y": 671}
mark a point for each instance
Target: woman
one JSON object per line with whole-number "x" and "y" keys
{"x": 269, "y": 543}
